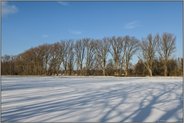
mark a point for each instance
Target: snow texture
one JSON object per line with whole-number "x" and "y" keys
{"x": 91, "y": 99}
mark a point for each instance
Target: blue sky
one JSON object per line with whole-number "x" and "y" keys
{"x": 29, "y": 24}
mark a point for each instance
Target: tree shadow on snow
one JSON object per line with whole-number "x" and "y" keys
{"x": 102, "y": 99}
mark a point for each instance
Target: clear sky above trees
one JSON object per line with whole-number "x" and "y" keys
{"x": 29, "y": 24}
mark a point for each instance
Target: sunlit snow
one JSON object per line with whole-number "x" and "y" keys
{"x": 91, "y": 99}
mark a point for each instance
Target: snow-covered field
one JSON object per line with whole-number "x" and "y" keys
{"x": 91, "y": 99}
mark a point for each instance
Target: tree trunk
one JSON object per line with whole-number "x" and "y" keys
{"x": 103, "y": 72}
{"x": 126, "y": 72}
{"x": 117, "y": 72}
{"x": 81, "y": 69}
{"x": 165, "y": 69}
{"x": 150, "y": 72}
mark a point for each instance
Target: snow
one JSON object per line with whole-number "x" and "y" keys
{"x": 91, "y": 99}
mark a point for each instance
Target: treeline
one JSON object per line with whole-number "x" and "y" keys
{"x": 107, "y": 56}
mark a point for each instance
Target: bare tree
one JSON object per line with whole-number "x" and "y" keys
{"x": 130, "y": 48}
{"x": 7, "y": 63}
{"x": 102, "y": 53}
{"x": 67, "y": 51}
{"x": 70, "y": 56}
{"x": 148, "y": 52}
{"x": 79, "y": 50}
{"x": 165, "y": 48}
{"x": 116, "y": 51}
{"x": 90, "y": 53}
{"x": 46, "y": 57}
{"x": 56, "y": 59}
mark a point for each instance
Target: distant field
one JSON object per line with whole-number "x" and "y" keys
{"x": 91, "y": 99}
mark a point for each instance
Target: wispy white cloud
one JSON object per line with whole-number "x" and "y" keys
{"x": 132, "y": 25}
{"x": 75, "y": 32}
{"x": 45, "y": 36}
{"x": 8, "y": 9}
{"x": 63, "y": 3}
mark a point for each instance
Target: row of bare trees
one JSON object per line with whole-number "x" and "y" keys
{"x": 161, "y": 46}
{"x": 109, "y": 56}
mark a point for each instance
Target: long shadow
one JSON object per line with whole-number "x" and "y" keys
{"x": 172, "y": 113}
{"x": 105, "y": 118}
{"x": 103, "y": 96}
{"x": 73, "y": 104}
{"x": 145, "y": 111}
{"x": 48, "y": 83}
